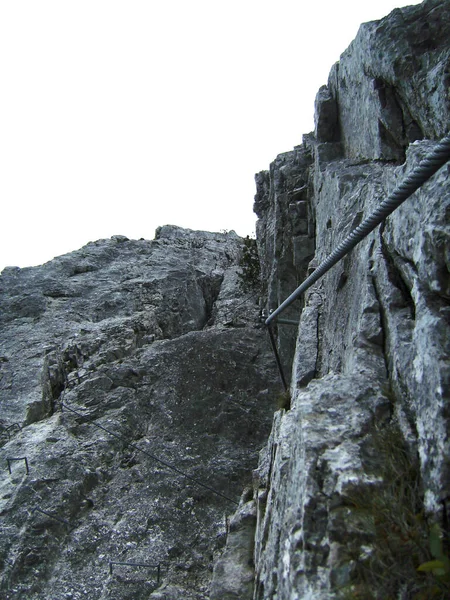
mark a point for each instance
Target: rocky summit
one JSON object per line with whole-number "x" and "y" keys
{"x": 148, "y": 450}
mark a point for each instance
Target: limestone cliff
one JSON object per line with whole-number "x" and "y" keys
{"x": 138, "y": 383}
{"x": 138, "y": 386}
{"x": 355, "y": 479}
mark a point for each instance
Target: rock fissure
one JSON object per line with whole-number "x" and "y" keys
{"x": 396, "y": 277}
{"x": 383, "y": 325}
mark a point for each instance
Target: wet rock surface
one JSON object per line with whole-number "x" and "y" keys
{"x": 139, "y": 385}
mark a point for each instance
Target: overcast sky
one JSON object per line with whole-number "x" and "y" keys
{"x": 120, "y": 116}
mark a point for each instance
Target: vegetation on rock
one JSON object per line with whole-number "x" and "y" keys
{"x": 249, "y": 277}
{"x": 397, "y": 560}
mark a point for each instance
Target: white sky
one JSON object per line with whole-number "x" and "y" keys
{"x": 119, "y": 116}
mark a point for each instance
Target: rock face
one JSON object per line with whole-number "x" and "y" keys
{"x": 139, "y": 386}
{"x": 168, "y": 388}
{"x": 362, "y": 455}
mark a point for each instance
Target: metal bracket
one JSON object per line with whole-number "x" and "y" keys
{"x": 277, "y": 357}
{"x": 287, "y": 322}
{"x": 10, "y": 460}
{"x": 16, "y": 425}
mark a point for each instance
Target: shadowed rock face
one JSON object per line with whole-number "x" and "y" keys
{"x": 153, "y": 342}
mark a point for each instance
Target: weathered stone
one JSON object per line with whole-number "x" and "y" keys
{"x": 154, "y": 342}
{"x": 328, "y": 151}
{"x": 306, "y": 356}
{"x": 283, "y": 257}
{"x": 396, "y": 73}
{"x": 378, "y": 318}
{"x": 163, "y": 357}
{"x": 314, "y": 455}
{"x": 233, "y": 572}
{"x": 298, "y": 211}
{"x": 298, "y": 195}
{"x": 373, "y": 342}
{"x": 303, "y": 250}
{"x": 326, "y": 116}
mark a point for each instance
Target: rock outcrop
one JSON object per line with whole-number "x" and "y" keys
{"x": 355, "y": 475}
{"x": 139, "y": 385}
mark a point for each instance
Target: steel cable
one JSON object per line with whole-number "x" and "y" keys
{"x": 152, "y": 456}
{"x": 424, "y": 170}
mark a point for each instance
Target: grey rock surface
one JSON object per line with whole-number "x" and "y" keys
{"x": 234, "y": 571}
{"x": 285, "y": 233}
{"x": 371, "y": 353}
{"x": 138, "y": 382}
{"x": 396, "y": 72}
{"x": 163, "y": 360}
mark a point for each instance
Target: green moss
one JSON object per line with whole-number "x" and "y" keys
{"x": 284, "y": 401}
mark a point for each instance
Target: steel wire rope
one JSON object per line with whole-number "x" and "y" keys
{"x": 166, "y": 464}
{"x": 149, "y": 454}
{"x": 427, "y": 167}
{"x": 233, "y": 311}
{"x": 420, "y": 174}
